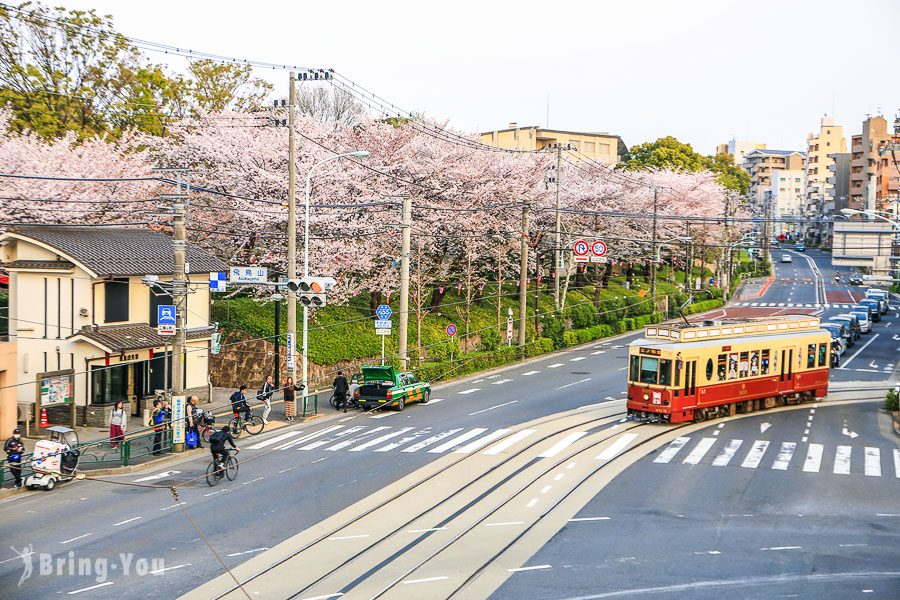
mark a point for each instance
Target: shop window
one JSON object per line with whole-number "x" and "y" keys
{"x": 115, "y": 301}
{"x": 109, "y": 384}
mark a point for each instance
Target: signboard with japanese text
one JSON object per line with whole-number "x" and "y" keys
{"x": 248, "y": 274}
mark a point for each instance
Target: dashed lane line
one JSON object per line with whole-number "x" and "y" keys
{"x": 478, "y": 412}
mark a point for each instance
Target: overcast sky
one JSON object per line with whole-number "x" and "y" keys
{"x": 703, "y": 71}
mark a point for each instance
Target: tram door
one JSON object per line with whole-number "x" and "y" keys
{"x": 787, "y": 364}
{"x": 690, "y": 378}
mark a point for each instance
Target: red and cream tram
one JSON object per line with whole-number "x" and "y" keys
{"x": 694, "y": 372}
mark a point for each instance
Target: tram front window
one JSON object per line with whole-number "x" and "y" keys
{"x": 649, "y": 369}
{"x": 665, "y": 372}
{"x": 635, "y": 368}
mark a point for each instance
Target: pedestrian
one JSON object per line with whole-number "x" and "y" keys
{"x": 290, "y": 399}
{"x": 118, "y": 421}
{"x": 14, "y": 449}
{"x": 194, "y": 414}
{"x": 167, "y": 421}
{"x": 157, "y": 421}
{"x": 265, "y": 395}
{"x": 341, "y": 387}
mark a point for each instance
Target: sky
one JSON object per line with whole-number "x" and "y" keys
{"x": 702, "y": 71}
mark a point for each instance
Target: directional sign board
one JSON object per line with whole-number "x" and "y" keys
{"x": 451, "y": 329}
{"x": 598, "y": 252}
{"x": 165, "y": 330}
{"x": 383, "y": 312}
{"x": 383, "y": 324}
{"x": 165, "y": 314}
{"x": 581, "y": 249}
{"x": 249, "y": 274}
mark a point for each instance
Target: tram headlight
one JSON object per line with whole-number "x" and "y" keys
{"x": 646, "y": 397}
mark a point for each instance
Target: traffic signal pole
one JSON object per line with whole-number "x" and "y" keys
{"x": 292, "y": 236}
{"x": 523, "y": 279}
{"x": 406, "y": 230}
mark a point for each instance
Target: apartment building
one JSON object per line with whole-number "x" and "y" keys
{"x": 838, "y": 192}
{"x": 787, "y": 201}
{"x": 820, "y": 148}
{"x": 865, "y": 159}
{"x": 762, "y": 164}
{"x": 602, "y": 147}
{"x": 739, "y": 149}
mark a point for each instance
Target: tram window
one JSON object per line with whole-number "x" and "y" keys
{"x": 823, "y": 354}
{"x": 754, "y": 363}
{"x": 665, "y": 371}
{"x": 709, "y": 369}
{"x": 723, "y": 361}
{"x": 649, "y": 369}
{"x": 744, "y": 366}
{"x": 679, "y": 365}
{"x": 635, "y": 368}
{"x": 765, "y": 362}
{"x": 732, "y": 366}
{"x": 811, "y": 356}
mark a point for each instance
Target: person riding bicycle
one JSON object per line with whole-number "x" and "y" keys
{"x": 341, "y": 387}
{"x": 217, "y": 444}
{"x": 239, "y": 403}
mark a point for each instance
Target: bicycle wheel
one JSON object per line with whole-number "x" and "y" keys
{"x": 333, "y": 401}
{"x": 236, "y": 427}
{"x": 231, "y": 468}
{"x": 255, "y": 425}
{"x": 205, "y": 433}
{"x": 212, "y": 477}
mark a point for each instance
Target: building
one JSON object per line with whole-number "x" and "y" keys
{"x": 820, "y": 148}
{"x": 738, "y": 149}
{"x": 602, "y": 147}
{"x": 864, "y": 161}
{"x": 838, "y": 191}
{"x": 787, "y": 200}
{"x": 77, "y": 304}
{"x": 761, "y": 164}
{"x": 887, "y": 176}
{"x": 866, "y": 244}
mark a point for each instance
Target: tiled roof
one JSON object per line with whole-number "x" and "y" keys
{"x": 110, "y": 251}
{"x": 44, "y": 265}
{"x": 132, "y": 337}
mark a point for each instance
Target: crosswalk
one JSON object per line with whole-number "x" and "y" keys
{"x": 482, "y": 440}
{"x": 792, "y": 305}
{"x": 810, "y": 458}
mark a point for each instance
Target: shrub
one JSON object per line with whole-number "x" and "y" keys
{"x": 583, "y": 316}
{"x": 570, "y": 338}
{"x": 443, "y": 351}
{"x": 490, "y": 340}
{"x": 554, "y": 328}
{"x": 892, "y": 400}
{"x": 539, "y": 346}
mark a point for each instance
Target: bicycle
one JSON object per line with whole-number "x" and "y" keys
{"x": 253, "y": 426}
{"x": 205, "y": 427}
{"x": 350, "y": 402}
{"x": 227, "y": 468}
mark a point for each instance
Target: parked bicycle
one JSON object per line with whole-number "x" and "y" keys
{"x": 253, "y": 426}
{"x": 217, "y": 469}
{"x": 205, "y": 427}
{"x": 351, "y": 402}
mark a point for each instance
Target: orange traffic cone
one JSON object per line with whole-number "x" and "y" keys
{"x": 44, "y": 421}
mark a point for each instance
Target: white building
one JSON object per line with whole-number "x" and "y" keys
{"x": 787, "y": 197}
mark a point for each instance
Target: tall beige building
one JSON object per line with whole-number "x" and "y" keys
{"x": 864, "y": 161}
{"x": 762, "y": 164}
{"x": 603, "y": 147}
{"x": 820, "y": 147}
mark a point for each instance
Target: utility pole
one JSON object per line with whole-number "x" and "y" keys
{"x": 556, "y": 251}
{"x": 653, "y": 251}
{"x": 292, "y": 234}
{"x": 689, "y": 260}
{"x": 406, "y": 231}
{"x": 179, "y": 291}
{"x": 725, "y": 279}
{"x": 523, "y": 279}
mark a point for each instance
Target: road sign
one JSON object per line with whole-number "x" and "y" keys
{"x": 165, "y": 330}
{"x": 598, "y": 248}
{"x": 383, "y": 312}
{"x": 383, "y": 332}
{"x": 177, "y": 417}
{"x": 451, "y": 329}
{"x": 249, "y": 274}
{"x": 581, "y": 249}
{"x": 217, "y": 282}
{"x": 509, "y": 329}
{"x": 383, "y": 324}
{"x": 165, "y": 314}
{"x": 291, "y": 352}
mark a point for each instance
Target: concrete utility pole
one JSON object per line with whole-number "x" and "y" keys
{"x": 179, "y": 291}
{"x": 653, "y": 253}
{"x": 406, "y": 230}
{"x": 292, "y": 230}
{"x": 523, "y": 279}
{"x": 689, "y": 259}
{"x": 556, "y": 252}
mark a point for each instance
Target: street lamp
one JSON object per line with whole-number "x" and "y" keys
{"x": 309, "y": 174}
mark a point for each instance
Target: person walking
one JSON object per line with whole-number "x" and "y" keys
{"x": 341, "y": 387}
{"x": 157, "y": 421}
{"x": 265, "y": 395}
{"x": 290, "y": 399}
{"x": 118, "y": 421}
{"x": 194, "y": 413}
{"x": 14, "y": 449}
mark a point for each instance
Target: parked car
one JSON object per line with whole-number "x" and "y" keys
{"x": 384, "y": 386}
{"x": 786, "y": 258}
{"x": 875, "y": 306}
{"x": 855, "y": 280}
{"x": 850, "y": 321}
{"x": 839, "y": 332}
{"x": 865, "y": 317}
{"x": 882, "y": 296}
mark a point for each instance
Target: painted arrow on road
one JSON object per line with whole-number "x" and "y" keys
{"x": 764, "y": 426}
{"x": 848, "y": 433}
{"x": 162, "y": 475}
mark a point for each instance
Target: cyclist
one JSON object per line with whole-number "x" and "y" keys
{"x": 341, "y": 387}
{"x": 239, "y": 403}
{"x": 217, "y": 445}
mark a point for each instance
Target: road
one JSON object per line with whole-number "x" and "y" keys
{"x": 293, "y": 479}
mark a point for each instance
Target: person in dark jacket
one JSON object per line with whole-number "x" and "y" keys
{"x": 194, "y": 414}
{"x": 239, "y": 402}
{"x": 265, "y": 396}
{"x": 14, "y": 449}
{"x": 217, "y": 444}
{"x": 341, "y": 387}
{"x": 158, "y": 422}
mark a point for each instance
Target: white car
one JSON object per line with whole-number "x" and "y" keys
{"x": 786, "y": 258}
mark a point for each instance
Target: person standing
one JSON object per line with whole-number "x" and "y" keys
{"x": 14, "y": 449}
{"x": 341, "y": 387}
{"x": 157, "y": 421}
{"x": 290, "y": 399}
{"x": 118, "y": 421}
{"x": 265, "y": 395}
{"x": 194, "y": 413}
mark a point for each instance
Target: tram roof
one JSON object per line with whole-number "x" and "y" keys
{"x": 735, "y": 330}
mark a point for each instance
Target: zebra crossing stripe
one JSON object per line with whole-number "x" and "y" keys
{"x": 873, "y": 462}
{"x": 727, "y": 453}
{"x": 513, "y": 439}
{"x": 432, "y": 440}
{"x": 404, "y": 440}
{"x": 380, "y": 439}
{"x": 813, "y": 458}
{"x": 897, "y": 462}
{"x": 274, "y": 440}
{"x": 562, "y": 444}
{"x": 754, "y": 457}
{"x": 473, "y": 446}
{"x": 617, "y": 447}
{"x": 699, "y": 451}
{"x": 458, "y": 440}
{"x": 671, "y": 450}
{"x": 783, "y": 460}
{"x": 842, "y": 460}
{"x": 350, "y": 442}
{"x": 333, "y": 438}
{"x": 311, "y": 436}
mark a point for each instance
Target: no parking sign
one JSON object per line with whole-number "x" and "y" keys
{"x": 451, "y": 329}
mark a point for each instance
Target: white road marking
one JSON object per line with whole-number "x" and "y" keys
{"x": 846, "y": 363}
{"x": 274, "y": 440}
{"x": 426, "y": 580}
{"x": 579, "y": 519}
{"x": 873, "y": 462}
{"x": 712, "y": 552}
{"x": 596, "y": 352}
{"x": 554, "y": 366}
{"x": 348, "y": 537}
{"x": 754, "y": 457}
{"x": 222, "y": 491}
{"x": 311, "y": 436}
{"x": 469, "y": 391}
{"x": 174, "y": 506}
{"x": 350, "y": 442}
{"x": 425, "y": 530}
{"x": 164, "y": 569}
{"x": 783, "y": 548}
{"x": 501, "y": 381}
{"x": 403, "y": 441}
{"x": 247, "y": 551}
{"x": 345, "y": 419}
{"x": 503, "y": 524}
{"x": 699, "y": 451}
{"x": 842, "y": 460}
{"x": 530, "y": 373}
{"x": 432, "y": 440}
{"x": 473, "y": 446}
{"x": 162, "y": 475}
{"x": 75, "y": 538}
{"x": 492, "y": 377}
{"x": 380, "y": 439}
{"x": 478, "y": 412}
{"x": 727, "y": 453}
{"x": 570, "y": 465}
{"x": 93, "y": 587}
{"x": 617, "y": 447}
{"x": 783, "y": 460}
{"x": 562, "y": 444}
{"x": 531, "y": 503}
{"x": 558, "y": 476}
{"x": 126, "y": 521}
{"x": 671, "y": 450}
{"x": 384, "y": 414}
{"x": 458, "y": 440}
{"x": 609, "y": 398}
{"x": 326, "y": 596}
{"x": 562, "y": 387}
{"x": 622, "y": 369}
{"x": 813, "y": 458}
{"x": 577, "y": 358}
{"x": 434, "y": 401}
{"x": 252, "y": 481}
{"x": 534, "y": 568}
{"x": 897, "y": 462}
{"x": 764, "y": 426}
{"x": 804, "y": 439}
{"x": 513, "y": 439}
{"x": 546, "y": 489}
{"x": 333, "y": 438}
{"x": 20, "y": 557}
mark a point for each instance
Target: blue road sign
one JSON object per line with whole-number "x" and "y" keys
{"x": 451, "y": 329}
{"x": 218, "y": 282}
{"x": 383, "y": 312}
{"x": 165, "y": 314}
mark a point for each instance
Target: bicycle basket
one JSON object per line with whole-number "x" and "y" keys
{"x": 209, "y": 418}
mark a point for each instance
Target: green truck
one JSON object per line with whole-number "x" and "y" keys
{"x": 384, "y": 386}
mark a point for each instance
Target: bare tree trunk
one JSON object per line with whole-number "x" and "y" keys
{"x": 437, "y": 296}
{"x": 375, "y": 299}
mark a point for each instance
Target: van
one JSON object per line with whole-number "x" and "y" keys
{"x": 882, "y": 296}
{"x": 875, "y": 307}
{"x": 865, "y": 317}
{"x": 850, "y": 321}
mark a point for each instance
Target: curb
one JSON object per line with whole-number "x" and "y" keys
{"x": 895, "y": 421}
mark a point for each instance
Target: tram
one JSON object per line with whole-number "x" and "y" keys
{"x": 694, "y": 372}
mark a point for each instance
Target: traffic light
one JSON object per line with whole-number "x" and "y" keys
{"x": 313, "y": 290}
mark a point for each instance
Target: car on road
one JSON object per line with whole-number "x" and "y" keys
{"x": 800, "y": 248}
{"x": 865, "y": 317}
{"x": 875, "y": 307}
{"x": 882, "y": 296}
{"x": 855, "y": 280}
{"x": 385, "y": 386}
{"x": 850, "y": 321}
{"x": 786, "y": 258}
{"x": 839, "y": 332}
